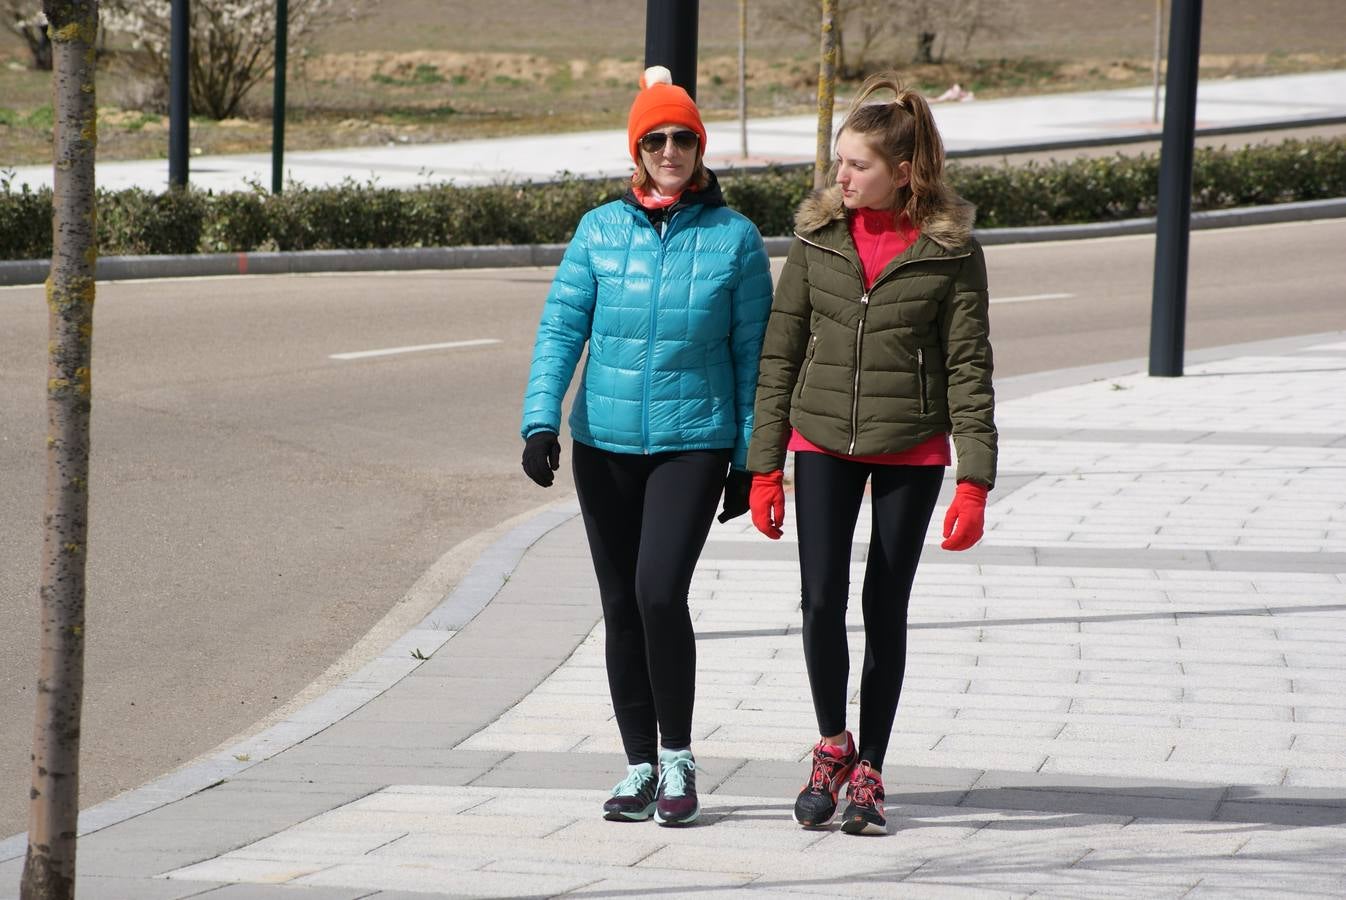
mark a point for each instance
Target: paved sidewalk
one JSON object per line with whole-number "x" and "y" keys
{"x": 980, "y": 126}
{"x": 1132, "y": 687}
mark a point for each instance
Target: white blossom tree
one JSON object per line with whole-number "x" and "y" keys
{"x": 25, "y": 19}
{"x": 233, "y": 42}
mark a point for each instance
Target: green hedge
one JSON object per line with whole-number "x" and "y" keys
{"x": 365, "y": 215}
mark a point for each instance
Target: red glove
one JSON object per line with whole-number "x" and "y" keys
{"x": 767, "y": 502}
{"x": 968, "y": 513}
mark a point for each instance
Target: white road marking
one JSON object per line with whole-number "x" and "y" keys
{"x": 1027, "y": 297}
{"x": 393, "y": 351}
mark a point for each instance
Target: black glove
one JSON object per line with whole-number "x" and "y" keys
{"x": 736, "y": 488}
{"x": 541, "y": 457}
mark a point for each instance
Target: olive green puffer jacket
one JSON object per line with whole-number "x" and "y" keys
{"x": 862, "y": 373}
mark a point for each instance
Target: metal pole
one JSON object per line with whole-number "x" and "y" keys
{"x": 670, "y": 39}
{"x": 1169, "y": 311}
{"x": 278, "y": 102}
{"x": 179, "y": 108}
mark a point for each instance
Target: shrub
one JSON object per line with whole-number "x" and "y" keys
{"x": 235, "y": 222}
{"x": 25, "y": 223}
{"x": 135, "y": 221}
{"x": 354, "y": 215}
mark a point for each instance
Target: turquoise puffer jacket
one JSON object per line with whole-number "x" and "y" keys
{"x": 674, "y": 326}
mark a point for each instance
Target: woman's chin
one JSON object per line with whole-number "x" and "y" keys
{"x": 670, "y": 186}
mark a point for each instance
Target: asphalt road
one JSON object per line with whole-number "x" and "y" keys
{"x": 259, "y": 505}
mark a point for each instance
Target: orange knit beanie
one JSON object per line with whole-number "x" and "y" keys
{"x": 661, "y": 102}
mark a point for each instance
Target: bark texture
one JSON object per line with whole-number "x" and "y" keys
{"x": 49, "y": 869}
{"x": 827, "y": 92}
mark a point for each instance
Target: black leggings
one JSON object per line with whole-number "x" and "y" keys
{"x": 828, "y": 493}
{"x": 647, "y": 518}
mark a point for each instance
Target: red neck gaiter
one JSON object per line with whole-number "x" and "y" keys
{"x": 880, "y": 235}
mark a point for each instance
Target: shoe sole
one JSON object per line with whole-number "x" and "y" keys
{"x": 642, "y": 816}
{"x": 675, "y": 823}
{"x": 860, "y": 825}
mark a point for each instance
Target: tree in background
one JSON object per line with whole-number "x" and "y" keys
{"x": 25, "y": 19}
{"x": 866, "y": 29}
{"x": 829, "y": 49}
{"x": 49, "y": 867}
{"x": 938, "y": 23}
{"x": 233, "y": 42}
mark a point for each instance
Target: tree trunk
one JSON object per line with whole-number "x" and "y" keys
{"x": 925, "y": 46}
{"x": 827, "y": 91}
{"x": 39, "y": 46}
{"x": 742, "y": 80}
{"x": 49, "y": 869}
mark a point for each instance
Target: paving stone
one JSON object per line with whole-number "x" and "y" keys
{"x": 282, "y": 892}
{"x": 1250, "y": 773}
{"x": 1093, "y": 803}
{"x": 101, "y": 887}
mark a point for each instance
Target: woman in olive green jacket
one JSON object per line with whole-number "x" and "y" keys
{"x": 876, "y": 352}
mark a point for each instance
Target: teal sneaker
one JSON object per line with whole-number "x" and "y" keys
{"x": 675, "y": 800}
{"x": 632, "y": 800}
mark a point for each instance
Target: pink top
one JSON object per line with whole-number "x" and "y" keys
{"x": 880, "y": 236}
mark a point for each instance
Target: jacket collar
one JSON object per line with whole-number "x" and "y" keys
{"x": 821, "y": 218}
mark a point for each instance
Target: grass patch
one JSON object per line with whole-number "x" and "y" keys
{"x": 43, "y": 117}
{"x": 418, "y": 115}
{"x": 423, "y": 74}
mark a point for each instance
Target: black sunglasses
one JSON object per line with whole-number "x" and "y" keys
{"x": 655, "y": 140}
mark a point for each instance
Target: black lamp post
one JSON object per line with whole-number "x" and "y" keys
{"x": 670, "y": 39}
{"x": 179, "y": 108}
{"x": 278, "y": 103}
{"x": 1169, "y": 310}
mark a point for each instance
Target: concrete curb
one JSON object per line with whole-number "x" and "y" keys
{"x": 122, "y": 268}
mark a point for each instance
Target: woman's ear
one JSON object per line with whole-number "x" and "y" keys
{"x": 902, "y": 175}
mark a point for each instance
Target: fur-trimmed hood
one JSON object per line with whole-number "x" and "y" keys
{"x": 950, "y": 226}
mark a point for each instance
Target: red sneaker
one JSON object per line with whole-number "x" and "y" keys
{"x": 864, "y": 812}
{"x": 817, "y": 802}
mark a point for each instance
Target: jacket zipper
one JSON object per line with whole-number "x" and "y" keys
{"x": 855, "y": 389}
{"x": 859, "y": 332}
{"x": 920, "y": 372}
{"x": 661, "y": 233}
{"x": 808, "y": 364}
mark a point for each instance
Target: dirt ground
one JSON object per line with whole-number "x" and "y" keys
{"x": 431, "y": 70}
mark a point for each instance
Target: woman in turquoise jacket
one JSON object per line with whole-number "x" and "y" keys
{"x": 670, "y": 289}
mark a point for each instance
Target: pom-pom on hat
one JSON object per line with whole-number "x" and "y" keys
{"x": 661, "y": 102}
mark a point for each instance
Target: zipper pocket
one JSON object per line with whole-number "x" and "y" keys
{"x": 920, "y": 374}
{"x": 808, "y": 361}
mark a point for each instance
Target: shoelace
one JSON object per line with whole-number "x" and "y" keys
{"x": 863, "y": 794}
{"x": 824, "y": 769}
{"x": 633, "y": 783}
{"x": 863, "y": 788}
{"x": 674, "y": 778}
